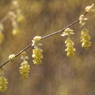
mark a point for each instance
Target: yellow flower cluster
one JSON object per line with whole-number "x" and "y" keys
{"x": 69, "y": 43}
{"x": 37, "y": 52}
{"x": 68, "y": 32}
{"x": 70, "y": 49}
{"x": 35, "y": 41}
{"x": 84, "y": 33}
{"x": 16, "y": 16}
{"x": 13, "y": 17}
{"x": 24, "y": 69}
{"x": 15, "y": 7}
{"x": 37, "y": 55}
{"x": 85, "y": 39}
{"x": 3, "y": 84}
{"x": 82, "y": 20}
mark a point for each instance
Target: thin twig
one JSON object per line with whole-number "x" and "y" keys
{"x": 60, "y": 30}
{"x": 16, "y": 54}
{"x": 28, "y": 46}
{"x": 4, "y": 19}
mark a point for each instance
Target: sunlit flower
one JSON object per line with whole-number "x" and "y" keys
{"x": 70, "y": 49}
{"x": 89, "y": 8}
{"x": 82, "y": 20}
{"x": 12, "y": 57}
{"x": 35, "y": 41}
{"x": 85, "y": 39}
{"x": 37, "y": 55}
{"x": 67, "y": 31}
{"x": 3, "y": 84}
{"x": 24, "y": 69}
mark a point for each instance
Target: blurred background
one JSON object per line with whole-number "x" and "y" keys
{"x": 58, "y": 74}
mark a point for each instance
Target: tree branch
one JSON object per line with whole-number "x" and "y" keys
{"x": 28, "y": 46}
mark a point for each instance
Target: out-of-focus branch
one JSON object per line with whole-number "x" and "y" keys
{"x": 4, "y": 19}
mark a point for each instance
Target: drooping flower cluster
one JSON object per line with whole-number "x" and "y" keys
{"x": 37, "y": 55}
{"x": 17, "y": 11}
{"x": 69, "y": 43}
{"x": 3, "y": 84}
{"x": 15, "y": 16}
{"x": 3, "y": 81}
{"x": 70, "y": 49}
{"x": 25, "y": 67}
{"x": 37, "y": 52}
{"x": 85, "y": 38}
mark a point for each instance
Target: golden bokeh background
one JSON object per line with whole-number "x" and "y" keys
{"x": 58, "y": 74}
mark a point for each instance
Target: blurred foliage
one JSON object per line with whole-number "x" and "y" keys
{"x": 58, "y": 74}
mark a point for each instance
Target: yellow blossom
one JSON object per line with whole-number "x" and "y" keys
{"x": 70, "y": 49}
{"x": 3, "y": 84}
{"x": 37, "y": 61}
{"x": 89, "y": 8}
{"x": 85, "y": 39}
{"x": 35, "y": 41}
{"x": 37, "y": 55}
{"x": 37, "y": 38}
{"x": 82, "y": 20}
{"x": 12, "y": 57}
{"x": 24, "y": 69}
{"x": 67, "y": 31}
